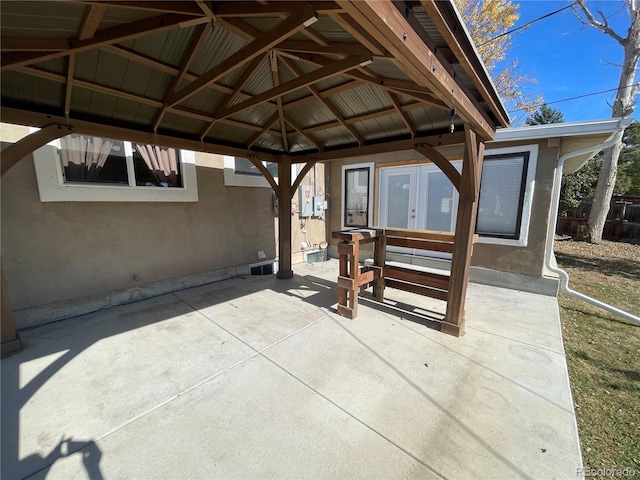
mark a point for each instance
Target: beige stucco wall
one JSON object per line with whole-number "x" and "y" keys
{"x": 63, "y": 250}
{"x": 527, "y": 260}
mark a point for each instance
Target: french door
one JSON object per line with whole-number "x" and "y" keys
{"x": 417, "y": 197}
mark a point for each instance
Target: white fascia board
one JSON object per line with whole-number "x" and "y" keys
{"x": 533, "y": 132}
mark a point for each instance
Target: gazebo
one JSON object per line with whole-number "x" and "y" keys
{"x": 283, "y": 82}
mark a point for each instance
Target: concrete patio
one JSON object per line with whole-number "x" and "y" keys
{"x": 255, "y": 377}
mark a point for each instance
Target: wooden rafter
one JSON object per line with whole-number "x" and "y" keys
{"x": 206, "y": 7}
{"x": 91, "y": 21}
{"x": 187, "y": 8}
{"x": 260, "y": 45}
{"x": 267, "y": 126}
{"x": 316, "y": 76}
{"x": 359, "y": 33}
{"x": 271, "y": 9}
{"x": 384, "y": 20}
{"x": 273, "y": 61}
{"x": 335, "y": 112}
{"x": 398, "y": 109}
{"x": 300, "y": 130}
{"x": 327, "y": 92}
{"x": 120, "y": 33}
{"x": 197, "y": 40}
{"x": 248, "y": 73}
{"x": 404, "y": 87}
{"x": 69, "y": 86}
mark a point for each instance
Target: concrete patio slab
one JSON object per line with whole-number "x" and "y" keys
{"x": 257, "y": 377}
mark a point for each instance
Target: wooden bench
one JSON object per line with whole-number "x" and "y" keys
{"x": 411, "y": 278}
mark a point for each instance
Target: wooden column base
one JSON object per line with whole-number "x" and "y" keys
{"x": 11, "y": 347}
{"x": 285, "y": 274}
{"x": 457, "y": 330}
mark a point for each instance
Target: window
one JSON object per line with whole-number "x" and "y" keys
{"x": 240, "y": 172}
{"x": 502, "y": 195}
{"x": 87, "y": 168}
{"x": 356, "y": 201}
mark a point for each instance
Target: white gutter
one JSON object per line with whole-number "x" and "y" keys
{"x": 553, "y": 216}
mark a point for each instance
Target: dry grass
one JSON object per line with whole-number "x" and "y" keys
{"x": 603, "y": 354}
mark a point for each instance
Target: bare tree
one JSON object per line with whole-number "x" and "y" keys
{"x": 622, "y": 107}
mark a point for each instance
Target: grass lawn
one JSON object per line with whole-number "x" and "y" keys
{"x": 603, "y": 354}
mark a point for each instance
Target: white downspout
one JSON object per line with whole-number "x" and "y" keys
{"x": 553, "y": 216}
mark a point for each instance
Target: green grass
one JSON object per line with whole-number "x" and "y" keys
{"x": 603, "y": 356}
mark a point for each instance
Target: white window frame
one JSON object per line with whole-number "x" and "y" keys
{"x": 527, "y": 203}
{"x": 371, "y": 166}
{"x": 52, "y": 187}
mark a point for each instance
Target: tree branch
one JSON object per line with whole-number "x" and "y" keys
{"x": 603, "y": 26}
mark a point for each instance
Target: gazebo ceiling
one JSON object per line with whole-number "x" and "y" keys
{"x": 272, "y": 78}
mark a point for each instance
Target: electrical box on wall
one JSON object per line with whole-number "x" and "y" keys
{"x": 306, "y": 201}
{"x": 319, "y": 205}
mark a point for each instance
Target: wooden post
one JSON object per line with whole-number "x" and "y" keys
{"x": 10, "y": 339}
{"x": 465, "y": 225}
{"x": 285, "y": 193}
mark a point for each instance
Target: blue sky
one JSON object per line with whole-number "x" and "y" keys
{"x": 569, "y": 59}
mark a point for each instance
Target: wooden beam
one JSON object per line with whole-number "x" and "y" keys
{"x": 332, "y": 48}
{"x": 383, "y": 20}
{"x": 19, "y": 44}
{"x": 265, "y": 172}
{"x": 318, "y": 75}
{"x": 206, "y": 7}
{"x": 442, "y": 162}
{"x": 306, "y": 169}
{"x": 272, "y": 119}
{"x": 301, "y": 131}
{"x": 89, "y": 127}
{"x": 69, "y": 87}
{"x": 197, "y": 39}
{"x": 104, "y": 37}
{"x": 25, "y": 146}
{"x": 273, "y": 61}
{"x": 464, "y": 237}
{"x": 274, "y": 36}
{"x": 91, "y": 21}
{"x": 405, "y": 118}
{"x": 456, "y": 138}
{"x": 285, "y": 193}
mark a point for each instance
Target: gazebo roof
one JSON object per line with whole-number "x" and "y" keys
{"x": 275, "y": 78}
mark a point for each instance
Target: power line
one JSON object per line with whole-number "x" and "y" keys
{"x": 576, "y": 97}
{"x": 509, "y": 32}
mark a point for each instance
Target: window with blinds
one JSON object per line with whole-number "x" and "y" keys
{"x": 501, "y": 195}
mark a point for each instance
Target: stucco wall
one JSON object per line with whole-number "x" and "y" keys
{"x": 64, "y": 250}
{"x": 524, "y": 260}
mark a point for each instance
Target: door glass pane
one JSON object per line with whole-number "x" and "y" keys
{"x": 439, "y": 202}
{"x": 356, "y": 197}
{"x": 398, "y": 202}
